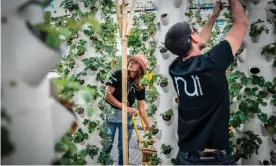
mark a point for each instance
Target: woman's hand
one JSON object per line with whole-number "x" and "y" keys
{"x": 131, "y": 110}
{"x": 148, "y": 127}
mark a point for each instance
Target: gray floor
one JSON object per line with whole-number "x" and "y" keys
{"x": 135, "y": 155}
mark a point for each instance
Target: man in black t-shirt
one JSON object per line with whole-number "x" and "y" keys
{"x": 202, "y": 88}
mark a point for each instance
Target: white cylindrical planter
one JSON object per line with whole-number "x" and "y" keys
{"x": 92, "y": 72}
{"x": 165, "y": 55}
{"x": 165, "y": 89}
{"x": 165, "y": 18}
{"x": 33, "y": 13}
{"x": 255, "y": 39}
{"x": 169, "y": 155}
{"x": 62, "y": 119}
{"x": 32, "y": 132}
{"x": 155, "y": 38}
{"x": 177, "y": 3}
{"x": 10, "y": 8}
{"x": 263, "y": 130}
{"x": 159, "y": 134}
{"x": 168, "y": 122}
{"x": 33, "y": 58}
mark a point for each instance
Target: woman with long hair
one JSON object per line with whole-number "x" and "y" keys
{"x": 137, "y": 66}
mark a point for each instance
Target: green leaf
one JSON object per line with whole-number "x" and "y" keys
{"x": 259, "y": 140}
{"x": 61, "y": 147}
{"x": 268, "y": 85}
{"x": 263, "y": 117}
{"x": 63, "y": 31}
{"x": 85, "y": 122}
{"x": 243, "y": 107}
{"x": 244, "y": 80}
{"x": 52, "y": 41}
{"x": 243, "y": 116}
{"x": 86, "y": 95}
{"x": 262, "y": 94}
{"x": 85, "y": 136}
{"x": 90, "y": 111}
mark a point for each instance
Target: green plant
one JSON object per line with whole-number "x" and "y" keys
{"x": 92, "y": 150}
{"x": 151, "y": 110}
{"x": 69, "y": 5}
{"x": 163, "y": 81}
{"x": 105, "y": 159}
{"x": 149, "y": 79}
{"x": 91, "y": 125}
{"x": 74, "y": 35}
{"x": 66, "y": 27}
{"x": 7, "y": 147}
{"x": 173, "y": 160}
{"x": 80, "y": 46}
{"x": 166, "y": 149}
{"x": 147, "y": 143}
{"x": 101, "y": 75}
{"x": 163, "y": 49}
{"x": 148, "y": 19}
{"x": 167, "y": 115}
{"x": 257, "y": 27}
{"x": 79, "y": 158}
{"x": 152, "y": 94}
{"x": 248, "y": 144}
{"x": 270, "y": 125}
{"x": 153, "y": 131}
{"x": 271, "y": 86}
{"x": 90, "y": 31}
{"x": 80, "y": 136}
{"x": 273, "y": 100}
{"x": 92, "y": 63}
{"x": 236, "y": 80}
{"x": 269, "y": 49}
{"x": 154, "y": 160}
{"x": 79, "y": 110}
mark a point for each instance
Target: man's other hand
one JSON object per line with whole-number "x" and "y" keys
{"x": 218, "y": 6}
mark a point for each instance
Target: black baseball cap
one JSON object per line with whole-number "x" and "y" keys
{"x": 178, "y": 39}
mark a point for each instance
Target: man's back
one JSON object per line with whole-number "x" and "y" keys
{"x": 203, "y": 99}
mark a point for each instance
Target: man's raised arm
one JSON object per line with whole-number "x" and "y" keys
{"x": 237, "y": 33}
{"x": 206, "y": 30}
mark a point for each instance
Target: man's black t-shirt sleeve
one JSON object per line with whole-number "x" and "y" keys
{"x": 222, "y": 55}
{"x": 114, "y": 79}
{"x": 140, "y": 94}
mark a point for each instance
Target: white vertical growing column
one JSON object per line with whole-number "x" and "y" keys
{"x": 87, "y": 64}
{"x": 38, "y": 121}
{"x": 169, "y": 13}
{"x": 258, "y": 66}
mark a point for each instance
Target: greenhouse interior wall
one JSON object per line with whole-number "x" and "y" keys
{"x": 53, "y": 88}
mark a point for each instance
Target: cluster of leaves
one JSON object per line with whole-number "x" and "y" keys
{"x": 7, "y": 146}
{"x": 140, "y": 40}
{"x": 251, "y": 101}
{"x": 70, "y": 154}
{"x": 257, "y": 27}
{"x": 70, "y": 27}
{"x": 247, "y": 145}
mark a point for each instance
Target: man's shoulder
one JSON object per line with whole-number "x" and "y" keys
{"x": 185, "y": 67}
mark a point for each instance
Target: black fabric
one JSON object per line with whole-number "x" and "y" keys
{"x": 115, "y": 80}
{"x": 204, "y": 103}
